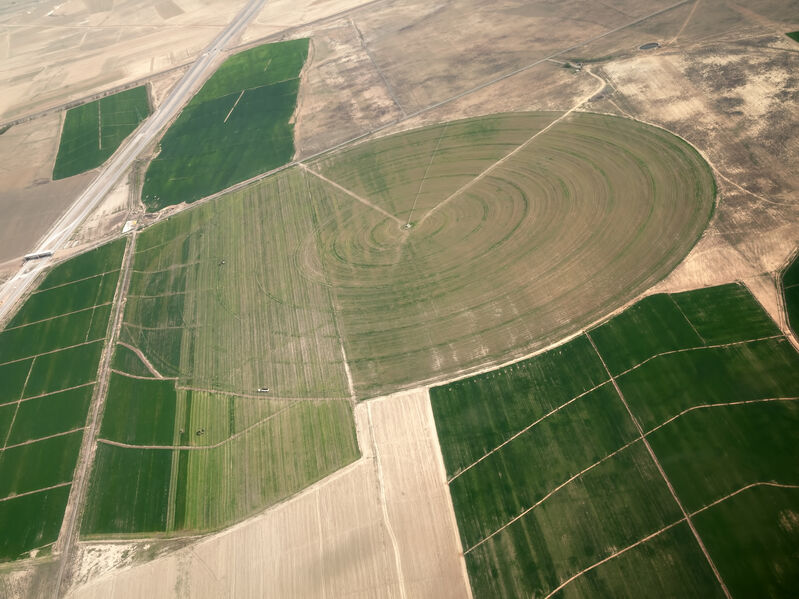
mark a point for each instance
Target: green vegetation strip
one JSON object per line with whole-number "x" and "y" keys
{"x": 570, "y": 501}
{"x": 93, "y": 131}
{"x": 31, "y": 521}
{"x": 237, "y": 126}
{"x": 790, "y": 287}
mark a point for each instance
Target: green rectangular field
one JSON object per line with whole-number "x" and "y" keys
{"x": 712, "y": 452}
{"x": 93, "y": 131}
{"x": 31, "y": 522}
{"x": 753, "y": 538}
{"x": 725, "y": 314}
{"x": 721, "y": 422}
{"x": 128, "y": 492}
{"x": 64, "y": 369}
{"x": 48, "y": 335}
{"x": 581, "y": 524}
{"x": 139, "y": 412}
{"x": 667, "y": 385}
{"x": 105, "y": 258}
{"x": 237, "y": 126}
{"x": 13, "y": 376}
{"x": 51, "y": 414}
{"x": 524, "y": 471}
{"x": 38, "y": 465}
{"x": 65, "y": 299}
{"x": 670, "y": 565}
{"x": 652, "y": 326}
{"x": 7, "y": 414}
{"x": 475, "y": 415}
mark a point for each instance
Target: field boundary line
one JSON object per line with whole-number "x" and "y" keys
{"x": 42, "y": 490}
{"x": 513, "y": 152}
{"x": 363, "y": 201}
{"x": 143, "y": 358}
{"x": 28, "y": 324}
{"x": 662, "y": 473}
{"x": 232, "y": 108}
{"x": 743, "y": 402}
{"x": 551, "y": 493}
{"x": 232, "y": 437}
{"x": 99, "y": 127}
{"x": 100, "y": 274}
{"x": 16, "y": 408}
{"x": 768, "y": 483}
{"x": 379, "y": 72}
{"x": 528, "y": 427}
{"x": 8, "y": 403}
{"x": 142, "y": 377}
{"x": 685, "y": 24}
{"x": 52, "y": 351}
{"x": 53, "y": 436}
{"x": 259, "y": 396}
{"x": 612, "y": 556}
{"x": 698, "y": 348}
{"x": 426, "y": 170}
{"x": 685, "y": 316}
{"x": 73, "y": 512}
{"x": 383, "y": 505}
{"x": 665, "y": 528}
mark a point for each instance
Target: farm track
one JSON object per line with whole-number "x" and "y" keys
{"x": 70, "y": 528}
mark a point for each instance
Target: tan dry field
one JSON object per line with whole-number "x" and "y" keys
{"x": 29, "y": 200}
{"x": 381, "y": 527}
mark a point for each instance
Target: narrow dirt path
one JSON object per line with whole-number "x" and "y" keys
{"x": 70, "y": 527}
{"x": 684, "y": 24}
{"x": 42, "y": 490}
{"x": 363, "y": 201}
{"x": 515, "y": 151}
{"x": 143, "y": 358}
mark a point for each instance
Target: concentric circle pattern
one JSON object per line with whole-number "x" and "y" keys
{"x": 548, "y": 239}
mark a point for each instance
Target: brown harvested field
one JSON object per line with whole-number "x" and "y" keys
{"x": 30, "y": 202}
{"x": 381, "y": 527}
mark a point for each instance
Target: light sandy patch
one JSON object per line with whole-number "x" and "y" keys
{"x": 109, "y": 216}
{"x": 332, "y": 540}
{"x": 55, "y": 56}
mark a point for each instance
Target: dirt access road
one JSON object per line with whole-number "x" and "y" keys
{"x": 64, "y": 228}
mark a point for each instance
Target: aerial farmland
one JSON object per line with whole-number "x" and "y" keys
{"x": 381, "y": 299}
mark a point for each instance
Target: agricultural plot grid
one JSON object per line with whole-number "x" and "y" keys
{"x": 49, "y": 357}
{"x": 660, "y": 443}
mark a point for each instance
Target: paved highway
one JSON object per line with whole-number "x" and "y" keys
{"x": 116, "y": 166}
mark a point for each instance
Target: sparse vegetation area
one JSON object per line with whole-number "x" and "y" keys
{"x": 93, "y": 131}
{"x": 714, "y": 387}
{"x": 237, "y": 126}
{"x": 49, "y": 358}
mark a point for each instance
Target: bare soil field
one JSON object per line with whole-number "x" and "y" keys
{"x": 54, "y": 52}
{"x": 381, "y": 527}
